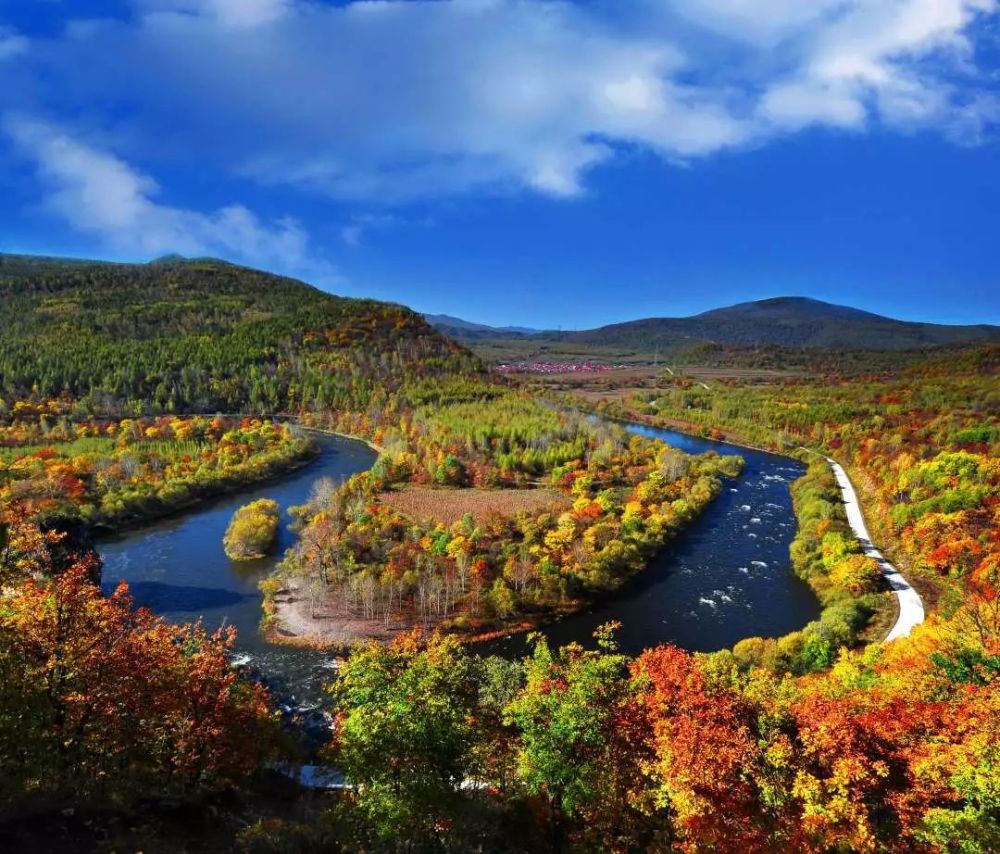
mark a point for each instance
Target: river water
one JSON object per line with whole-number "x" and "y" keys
{"x": 177, "y": 568}
{"x": 726, "y": 577}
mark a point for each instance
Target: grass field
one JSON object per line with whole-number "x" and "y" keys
{"x": 450, "y": 505}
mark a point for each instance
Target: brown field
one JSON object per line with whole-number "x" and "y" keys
{"x": 450, "y": 505}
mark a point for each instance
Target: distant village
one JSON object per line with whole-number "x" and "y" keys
{"x": 555, "y": 368}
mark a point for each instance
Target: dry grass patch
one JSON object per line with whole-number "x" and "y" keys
{"x": 450, "y": 505}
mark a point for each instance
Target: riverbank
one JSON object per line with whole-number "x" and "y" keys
{"x": 378, "y": 449}
{"x": 293, "y": 619}
{"x": 110, "y": 484}
{"x": 689, "y": 428}
{"x": 201, "y": 494}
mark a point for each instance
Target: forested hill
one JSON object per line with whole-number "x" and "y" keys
{"x": 790, "y": 322}
{"x": 202, "y": 335}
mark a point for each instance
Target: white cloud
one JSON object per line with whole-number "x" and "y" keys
{"x": 12, "y": 44}
{"x": 894, "y": 60}
{"x": 763, "y": 23}
{"x": 360, "y": 224}
{"x": 392, "y": 100}
{"x": 99, "y": 194}
{"x": 799, "y": 103}
{"x": 229, "y": 13}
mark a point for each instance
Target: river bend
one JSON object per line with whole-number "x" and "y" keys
{"x": 726, "y": 577}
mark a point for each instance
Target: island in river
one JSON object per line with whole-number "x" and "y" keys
{"x": 725, "y": 577}
{"x": 599, "y": 505}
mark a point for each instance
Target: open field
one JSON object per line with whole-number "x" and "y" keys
{"x": 450, "y": 505}
{"x": 622, "y": 383}
{"x": 534, "y": 350}
{"x": 699, "y": 359}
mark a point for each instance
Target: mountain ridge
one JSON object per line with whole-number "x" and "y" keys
{"x": 448, "y": 321}
{"x": 786, "y": 321}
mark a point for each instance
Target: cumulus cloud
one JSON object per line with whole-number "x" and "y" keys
{"x": 99, "y": 194}
{"x": 895, "y": 61}
{"x": 394, "y": 100}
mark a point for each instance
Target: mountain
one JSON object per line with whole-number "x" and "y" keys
{"x": 455, "y": 327}
{"x": 203, "y": 335}
{"x": 789, "y": 322}
{"x": 793, "y": 322}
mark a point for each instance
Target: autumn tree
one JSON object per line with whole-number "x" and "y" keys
{"x": 581, "y": 747}
{"x": 720, "y": 788}
{"x": 100, "y": 700}
{"x": 24, "y": 547}
{"x": 404, "y": 734}
{"x": 253, "y": 530}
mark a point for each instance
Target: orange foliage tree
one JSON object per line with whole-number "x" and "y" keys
{"x": 100, "y": 700}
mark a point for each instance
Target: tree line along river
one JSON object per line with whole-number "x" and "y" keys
{"x": 725, "y": 577}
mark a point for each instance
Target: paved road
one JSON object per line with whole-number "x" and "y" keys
{"x": 911, "y": 607}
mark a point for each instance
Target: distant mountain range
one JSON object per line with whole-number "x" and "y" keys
{"x": 464, "y": 328}
{"x": 782, "y": 321}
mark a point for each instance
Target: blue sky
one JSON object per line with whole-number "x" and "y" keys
{"x": 531, "y": 162}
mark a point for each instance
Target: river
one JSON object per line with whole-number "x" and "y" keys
{"x": 726, "y": 577}
{"x": 177, "y": 568}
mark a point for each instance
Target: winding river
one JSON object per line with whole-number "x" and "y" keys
{"x": 724, "y": 578}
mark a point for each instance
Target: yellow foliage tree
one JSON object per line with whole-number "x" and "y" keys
{"x": 253, "y": 530}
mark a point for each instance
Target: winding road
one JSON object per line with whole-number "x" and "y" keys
{"x": 911, "y": 607}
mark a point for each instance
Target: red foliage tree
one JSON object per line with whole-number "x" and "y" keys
{"x": 708, "y": 760}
